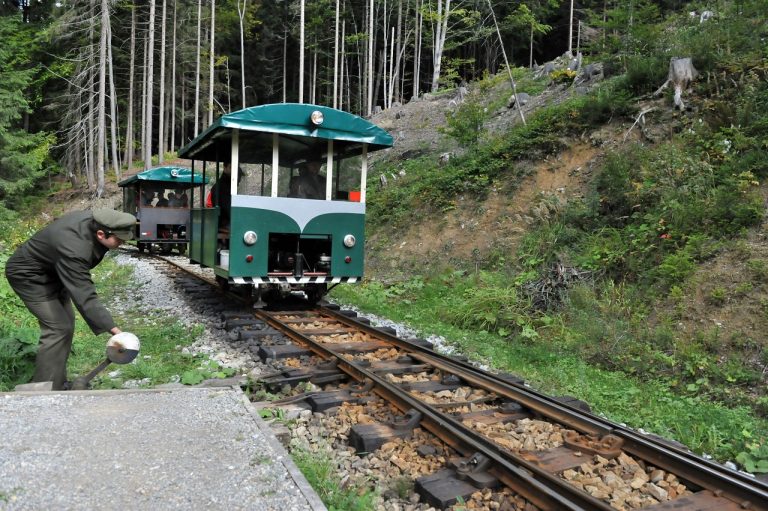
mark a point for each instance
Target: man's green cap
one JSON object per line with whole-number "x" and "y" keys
{"x": 118, "y": 223}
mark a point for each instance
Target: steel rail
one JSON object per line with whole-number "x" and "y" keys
{"x": 532, "y": 482}
{"x": 735, "y": 486}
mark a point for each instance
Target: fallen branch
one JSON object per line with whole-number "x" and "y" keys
{"x": 640, "y": 119}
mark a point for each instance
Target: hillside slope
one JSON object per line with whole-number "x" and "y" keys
{"x": 722, "y": 307}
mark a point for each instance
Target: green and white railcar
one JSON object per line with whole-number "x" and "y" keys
{"x": 272, "y": 236}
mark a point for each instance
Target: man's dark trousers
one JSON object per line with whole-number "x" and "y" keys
{"x": 57, "y": 327}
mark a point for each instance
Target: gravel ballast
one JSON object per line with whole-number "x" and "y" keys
{"x": 182, "y": 449}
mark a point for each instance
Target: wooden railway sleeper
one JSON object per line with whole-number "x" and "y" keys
{"x": 366, "y": 438}
{"x": 445, "y": 487}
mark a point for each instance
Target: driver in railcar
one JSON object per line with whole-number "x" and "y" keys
{"x": 309, "y": 184}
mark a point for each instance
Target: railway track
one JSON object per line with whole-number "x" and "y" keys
{"x": 473, "y": 438}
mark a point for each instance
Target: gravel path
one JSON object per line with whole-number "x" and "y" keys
{"x": 182, "y": 449}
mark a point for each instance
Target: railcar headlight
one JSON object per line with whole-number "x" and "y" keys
{"x": 349, "y": 241}
{"x": 316, "y": 117}
{"x": 249, "y": 238}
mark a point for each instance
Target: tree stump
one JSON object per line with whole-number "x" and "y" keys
{"x": 681, "y": 74}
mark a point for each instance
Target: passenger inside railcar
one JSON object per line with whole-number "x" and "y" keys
{"x": 182, "y": 198}
{"x": 146, "y": 196}
{"x": 162, "y": 202}
{"x": 309, "y": 184}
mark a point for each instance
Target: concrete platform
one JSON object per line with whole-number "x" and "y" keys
{"x": 190, "y": 449}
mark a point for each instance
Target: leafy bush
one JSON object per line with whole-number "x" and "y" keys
{"x": 563, "y": 75}
{"x": 487, "y": 305}
{"x": 465, "y": 124}
{"x": 645, "y": 74}
{"x": 17, "y": 357}
{"x": 611, "y": 101}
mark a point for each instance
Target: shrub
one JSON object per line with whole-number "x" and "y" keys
{"x": 645, "y": 74}
{"x": 609, "y": 102}
{"x": 465, "y": 124}
{"x": 563, "y": 75}
{"x": 17, "y": 357}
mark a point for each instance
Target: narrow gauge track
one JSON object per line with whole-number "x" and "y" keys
{"x": 588, "y": 463}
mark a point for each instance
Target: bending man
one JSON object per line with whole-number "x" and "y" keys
{"x": 52, "y": 269}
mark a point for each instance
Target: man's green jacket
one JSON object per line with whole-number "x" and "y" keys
{"x": 60, "y": 257}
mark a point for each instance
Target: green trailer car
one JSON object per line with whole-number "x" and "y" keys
{"x": 159, "y": 199}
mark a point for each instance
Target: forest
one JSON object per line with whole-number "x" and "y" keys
{"x": 92, "y": 87}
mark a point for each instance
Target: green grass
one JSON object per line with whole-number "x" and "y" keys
{"x": 162, "y": 339}
{"x": 705, "y": 426}
{"x": 321, "y": 472}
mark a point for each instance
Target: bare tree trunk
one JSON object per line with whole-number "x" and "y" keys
{"x": 396, "y": 76}
{"x": 183, "y": 122}
{"x": 131, "y": 93}
{"x": 285, "y": 64}
{"x": 161, "y": 99}
{"x": 144, "y": 99}
{"x": 102, "y": 107}
{"x": 509, "y": 71}
{"x": 150, "y": 83}
{"x": 314, "y": 75}
{"x": 570, "y": 31}
{"x": 441, "y": 29}
{"x": 301, "y": 53}
{"x": 211, "y": 61}
{"x": 530, "y": 55}
{"x": 90, "y": 72}
{"x": 112, "y": 104}
{"x": 241, "y": 14}
{"x": 197, "y": 69}
{"x": 336, "y": 57}
{"x": 385, "y": 67}
{"x": 342, "y": 66}
{"x": 417, "y": 50}
{"x": 173, "y": 84}
{"x": 392, "y": 78}
{"x": 369, "y": 108}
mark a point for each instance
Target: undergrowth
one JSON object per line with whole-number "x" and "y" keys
{"x": 320, "y": 471}
{"x": 652, "y": 216}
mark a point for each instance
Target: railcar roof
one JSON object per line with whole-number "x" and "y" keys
{"x": 299, "y": 138}
{"x": 167, "y": 174}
